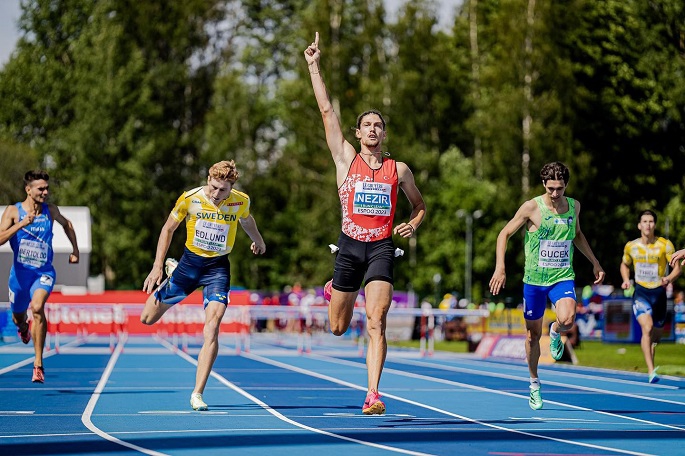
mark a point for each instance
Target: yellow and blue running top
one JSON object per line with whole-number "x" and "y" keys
{"x": 649, "y": 260}
{"x": 211, "y": 229}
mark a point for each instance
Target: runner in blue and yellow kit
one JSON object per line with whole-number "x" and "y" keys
{"x": 368, "y": 183}
{"x": 649, "y": 254}
{"x": 552, "y": 229}
{"x": 212, "y": 214}
{"x": 28, "y": 227}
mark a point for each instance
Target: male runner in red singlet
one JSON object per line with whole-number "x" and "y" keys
{"x": 368, "y": 185}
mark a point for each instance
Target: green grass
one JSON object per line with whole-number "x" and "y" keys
{"x": 627, "y": 357}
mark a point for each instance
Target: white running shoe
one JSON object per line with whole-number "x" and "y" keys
{"x": 170, "y": 266}
{"x": 197, "y": 403}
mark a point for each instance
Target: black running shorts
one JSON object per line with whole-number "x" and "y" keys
{"x": 358, "y": 262}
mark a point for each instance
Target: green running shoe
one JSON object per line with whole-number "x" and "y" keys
{"x": 653, "y": 376}
{"x": 535, "y": 400}
{"x": 556, "y": 347}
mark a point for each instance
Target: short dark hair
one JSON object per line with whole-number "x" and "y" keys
{"x": 34, "y": 175}
{"x": 646, "y": 212}
{"x": 555, "y": 171}
{"x": 366, "y": 113}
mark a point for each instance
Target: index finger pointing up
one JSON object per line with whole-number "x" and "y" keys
{"x": 316, "y": 40}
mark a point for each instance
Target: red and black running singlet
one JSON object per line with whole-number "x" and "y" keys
{"x": 368, "y": 198}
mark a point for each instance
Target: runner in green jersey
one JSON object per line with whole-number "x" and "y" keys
{"x": 552, "y": 229}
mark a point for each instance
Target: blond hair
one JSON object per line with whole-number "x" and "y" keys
{"x": 224, "y": 170}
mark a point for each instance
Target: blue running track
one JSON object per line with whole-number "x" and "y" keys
{"x": 273, "y": 400}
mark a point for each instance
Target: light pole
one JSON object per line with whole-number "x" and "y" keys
{"x": 468, "y": 267}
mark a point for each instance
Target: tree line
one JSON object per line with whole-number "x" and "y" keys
{"x": 127, "y": 104}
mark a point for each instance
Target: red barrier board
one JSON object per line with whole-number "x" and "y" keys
{"x": 113, "y": 312}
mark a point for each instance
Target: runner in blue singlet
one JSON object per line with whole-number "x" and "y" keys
{"x": 28, "y": 227}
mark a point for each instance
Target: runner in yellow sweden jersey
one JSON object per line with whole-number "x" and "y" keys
{"x": 552, "y": 229}
{"x": 649, "y": 255}
{"x": 212, "y": 214}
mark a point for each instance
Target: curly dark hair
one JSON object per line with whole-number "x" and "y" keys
{"x": 555, "y": 171}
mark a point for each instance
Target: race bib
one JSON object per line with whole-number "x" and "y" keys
{"x": 210, "y": 236}
{"x": 646, "y": 272}
{"x": 32, "y": 253}
{"x": 372, "y": 198}
{"x": 554, "y": 254}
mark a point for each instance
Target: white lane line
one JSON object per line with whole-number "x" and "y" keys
{"x": 285, "y": 418}
{"x": 562, "y": 370}
{"x": 505, "y": 393}
{"x": 547, "y": 382}
{"x": 88, "y": 412}
{"x": 30, "y": 360}
{"x": 435, "y": 409}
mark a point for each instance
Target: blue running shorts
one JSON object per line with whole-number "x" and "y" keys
{"x": 651, "y": 301}
{"x": 194, "y": 271}
{"x": 535, "y": 297}
{"x": 24, "y": 282}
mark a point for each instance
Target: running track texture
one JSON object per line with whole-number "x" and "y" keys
{"x": 274, "y": 400}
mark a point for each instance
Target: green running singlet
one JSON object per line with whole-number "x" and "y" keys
{"x": 549, "y": 249}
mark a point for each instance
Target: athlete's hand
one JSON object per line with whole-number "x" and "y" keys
{"x": 154, "y": 278}
{"x": 599, "y": 274}
{"x": 626, "y": 284}
{"x": 404, "y": 229}
{"x": 679, "y": 255}
{"x": 499, "y": 279}
{"x": 258, "y": 249}
{"x": 26, "y": 221}
{"x": 312, "y": 54}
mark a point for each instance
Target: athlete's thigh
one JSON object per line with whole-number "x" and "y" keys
{"x": 216, "y": 281}
{"x": 380, "y": 260}
{"x": 350, "y": 266}
{"x": 154, "y": 308}
{"x": 183, "y": 281}
{"x": 534, "y": 301}
{"x": 378, "y": 295}
{"x": 563, "y": 297}
{"x": 643, "y": 301}
{"x": 534, "y": 328}
{"x": 341, "y": 307}
{"x": 19, "y": 293}
{"x": 659, "y": 307}
{"x": 214, "y": 312}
